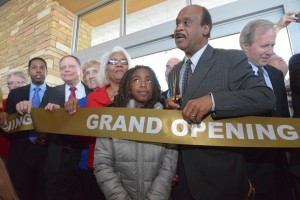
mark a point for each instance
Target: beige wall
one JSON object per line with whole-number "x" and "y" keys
{"x": 31, "y": 28}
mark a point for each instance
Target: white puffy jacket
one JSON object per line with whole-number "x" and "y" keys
{"x": 134, "y": 170}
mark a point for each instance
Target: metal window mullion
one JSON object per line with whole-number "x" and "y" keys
{"x": 74, "y": 41}
{"x": 123, "y": 11}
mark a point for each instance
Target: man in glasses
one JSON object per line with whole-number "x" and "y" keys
{"x": 15, "y": 79}
{"x": 62, "y": 164}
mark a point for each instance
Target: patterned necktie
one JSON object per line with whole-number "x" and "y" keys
{"x": 186, "y": 76}
{"x": 36, "y": 97}
{"x": 73, "y": 94}
{"x": 260, "y": 73}
{"x": 35, "y": 101}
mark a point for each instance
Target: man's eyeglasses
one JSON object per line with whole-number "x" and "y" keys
{"x": 113, "y": 61}
{"x": 16, "y": 82}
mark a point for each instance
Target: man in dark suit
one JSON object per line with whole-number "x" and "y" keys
{"x": 267, "y": 167}
{"x": 26, "y": 158}
{"x": 221, "y": 83}
{"x": 294, "y": 67}
{"x": 62, "y": 164}
{"x": 294, "y": 167}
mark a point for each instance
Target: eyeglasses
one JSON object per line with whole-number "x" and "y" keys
{"x": 62, "y": 68}
{"x": 113, "y": 61}
{"x": 16, "y": 82}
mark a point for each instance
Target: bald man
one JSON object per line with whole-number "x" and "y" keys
{"x": 169, "y": 66}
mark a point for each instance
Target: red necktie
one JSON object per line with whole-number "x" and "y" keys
{"x": 73, "y": 94}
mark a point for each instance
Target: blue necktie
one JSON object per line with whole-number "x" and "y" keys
{"x": 35, "y": 104}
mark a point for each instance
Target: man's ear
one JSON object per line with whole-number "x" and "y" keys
{"x": 245, "y": 47}
{"x": 206, "y": 28}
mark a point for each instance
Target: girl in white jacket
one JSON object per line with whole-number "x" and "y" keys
{"x": 135, "y": 170}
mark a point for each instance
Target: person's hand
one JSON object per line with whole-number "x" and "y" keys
{"x": 24, "y": 107}
{"x": 197, "y": 109}
{"x": 51, "y": 106}
{"x": 285, "y": 20}
{"x": 3, "y": 119}
{"x": 172, "y": 103}
{"x": 71, "y": 105}
{"x": 175, "y": 181}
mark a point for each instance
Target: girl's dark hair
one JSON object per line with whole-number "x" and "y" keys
{"x": 125, "y": 95}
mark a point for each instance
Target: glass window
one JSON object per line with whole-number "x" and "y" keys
{"x": 212, "y": 3}
{"x": 99, "y": 25}
{"x": 158, "y": 63}
{"x": 145, "y": 14}
{"x": 103, "y": 23}
{"x": 107, "y": 23}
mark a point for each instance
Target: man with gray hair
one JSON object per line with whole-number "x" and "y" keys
{"x": 267, "y": 168}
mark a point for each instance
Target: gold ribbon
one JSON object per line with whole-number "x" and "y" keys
{"x": 163, "y": 126}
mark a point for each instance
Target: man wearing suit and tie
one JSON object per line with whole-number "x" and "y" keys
{"x": 62, "y": 163}
{"x": 267, "y": 167}
{"x": 28, "y": 150}
{"x": 220, "y": 83}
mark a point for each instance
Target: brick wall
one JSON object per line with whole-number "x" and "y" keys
{"x": 31, "y": 28}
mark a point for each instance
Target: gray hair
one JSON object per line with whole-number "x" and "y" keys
{"x": 16, "y": 73}
{"x": 101, "y": 76}
{"x": 88, "y": 64}
{"x": 248, "y": 32}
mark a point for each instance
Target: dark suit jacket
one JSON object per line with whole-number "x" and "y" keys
{"x": 294, "y": 71}
{"x": 264, "y": 164}
{"x": 212, "y": 172}
{"x": 277, "y": 80}
{"x": 55, "y": 95}
{"x": 19, "y": 141}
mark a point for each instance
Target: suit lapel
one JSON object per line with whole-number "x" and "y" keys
{"x": 273, "y": 78}
{"x": 62, "y": 97}
{"x": 27, "y": 92}
{"x": 204, "y": 64}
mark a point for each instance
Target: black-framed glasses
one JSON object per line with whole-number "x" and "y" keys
{"x": 113, "y": 61}
{"x": 16, "y": 82}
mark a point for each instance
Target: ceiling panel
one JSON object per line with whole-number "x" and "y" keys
{"x": 108, "y": 12}
{"x": 75, "y": 6}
